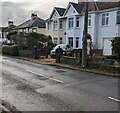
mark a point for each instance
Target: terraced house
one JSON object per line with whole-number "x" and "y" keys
{"x": 103, "y": 25}
{"x": 55, "y": 26}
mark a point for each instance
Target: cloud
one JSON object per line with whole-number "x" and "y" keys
{"x": 20, "y": 10}
{"x": 12, "y": 11}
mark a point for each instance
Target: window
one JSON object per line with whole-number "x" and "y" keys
{"x": 55, "y": 25}
{"x": 34, "y": 30}
{"x": 89, "y": 21}
{"x": 77, "y": 42}
{"x": 105, "y": 19}
{"x": 23, "y": 30}
{"x": 70, "y": 22}
{"x": 49, "y": 25}
{"x": 118, "y": 17}
{"x": 61, "y": 40}
{"x": 55, "y": 40}
{"x": 61, "y": 24}
{"x": 70, "y": 39}
{"x": 77, "y": 21}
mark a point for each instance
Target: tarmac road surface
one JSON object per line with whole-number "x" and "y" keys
{"x": 35, "y": 87}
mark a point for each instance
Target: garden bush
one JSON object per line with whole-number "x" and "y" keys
{"x": 10, "y": 50}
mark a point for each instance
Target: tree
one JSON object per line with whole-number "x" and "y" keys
{"x": 35, "y": 39}
{"x": 11, "y": 35}
{"x": 116, "y": 47}
{"x": 29, "y": 40}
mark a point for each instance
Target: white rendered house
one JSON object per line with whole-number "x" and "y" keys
{"x": 56, "y": 26}
{"x": 103, "y": 24}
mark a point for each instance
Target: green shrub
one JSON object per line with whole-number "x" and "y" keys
{"x": 10, "y": 50}
{"x": 104, "y": 68}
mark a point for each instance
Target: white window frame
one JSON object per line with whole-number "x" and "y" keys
{"x": 49, "y": 26}
{"x": 70, "y": 22}
{"x": 34, "y": 30}
{"x": 77, "y": 41}
{"x": 61, "y": 24}
{"x": 55, "y": 25}
{"x": 55, "y": 39}
{"x": 89, "y": 21}
{"x": 105, "y": 19}
{"x": 118, "y": 17}
{"x": 60, "y": 40}
{"x": 77, "y": 22}
{"x": 70, "y": 41}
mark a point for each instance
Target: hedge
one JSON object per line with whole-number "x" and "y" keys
{"x": 105, "y": 68}
{"x": 10, "y": 50}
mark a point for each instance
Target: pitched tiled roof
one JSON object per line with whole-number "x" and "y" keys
{"x": 40, "y": 23}
{"x": 2, "y": 28}
{"x": 78, "y": 7}
{"x": 107, "y": 5}
{"x": 9, "y": 28}
{"x": 60, "y": 10}
{"x": 95, "y": 6}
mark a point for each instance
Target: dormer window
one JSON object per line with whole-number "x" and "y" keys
{"x": 118, "y": 17}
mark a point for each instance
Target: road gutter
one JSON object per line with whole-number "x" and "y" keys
{"x": 68, "y": 67}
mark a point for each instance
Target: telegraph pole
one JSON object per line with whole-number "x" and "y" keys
{"x": 85, "y": 32}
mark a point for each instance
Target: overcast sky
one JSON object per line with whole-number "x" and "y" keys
{"x": 20, "y": 10}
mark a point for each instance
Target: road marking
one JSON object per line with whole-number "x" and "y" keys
{"x": 37, "y": 73}
{"x": 5, "y": 60}
{"x": 56, "y": 80}
{"x": 46, "y": 77}
{"x": 114, "y": 99}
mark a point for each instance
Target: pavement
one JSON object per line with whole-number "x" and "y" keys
{"x": 51, "y": 61}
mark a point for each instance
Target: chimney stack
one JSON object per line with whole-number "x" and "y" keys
{"x": 10, "y": 23}
{"x": 80, "y": 1}
{"x": 33, "y": 16}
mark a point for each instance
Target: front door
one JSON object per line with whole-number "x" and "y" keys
{"x": 107, "y": 47}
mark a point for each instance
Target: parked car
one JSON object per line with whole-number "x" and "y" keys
{"x": 67, "y": 49}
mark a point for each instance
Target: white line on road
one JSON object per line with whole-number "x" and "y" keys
{"x": 56, "y": 80}
{"x": 37, "y": 73}
{"x": 45, "y": 76}
{"x": 5, "y": 60}
{"x": 114, "y": 99}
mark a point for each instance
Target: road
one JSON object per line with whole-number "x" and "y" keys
{"x": 35, "y": 87}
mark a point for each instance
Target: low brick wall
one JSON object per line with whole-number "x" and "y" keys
{"x": 30, "y": 53}
{"x": 104, "y": 68}
{"x": 26, "y": 53}
{"x": 91, "y": 65}
{"x": 69, "y": 60}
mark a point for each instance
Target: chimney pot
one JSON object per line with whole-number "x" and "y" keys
{"x": 10, "y": 23}
{"x": 33, "y": 16}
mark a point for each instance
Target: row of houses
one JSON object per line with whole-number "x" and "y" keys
{"x": 66, "y": 25}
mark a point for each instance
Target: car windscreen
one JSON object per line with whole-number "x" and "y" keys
{"x": 61, "y": 46}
